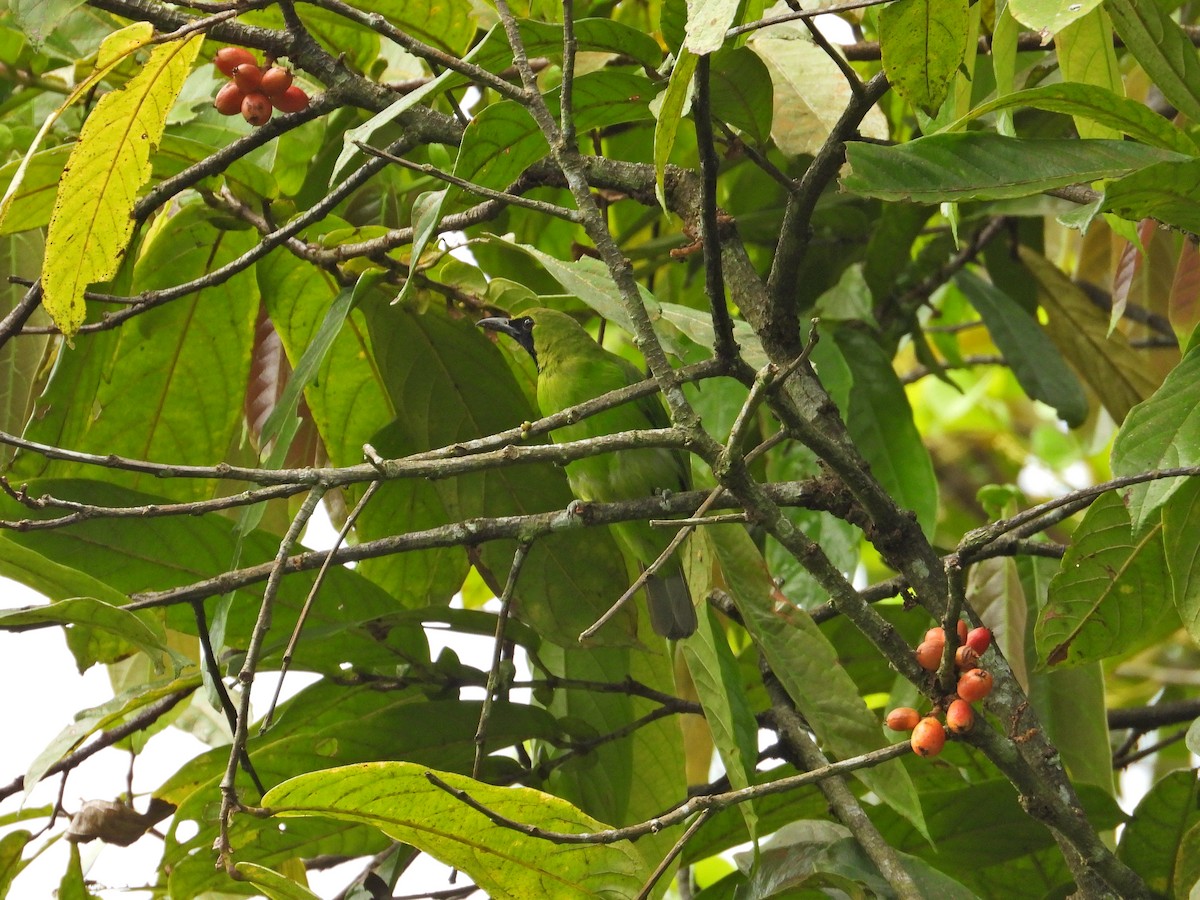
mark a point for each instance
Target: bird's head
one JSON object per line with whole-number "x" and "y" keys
{"x": 519, "y": 329}
{"x": 550, "y": 335}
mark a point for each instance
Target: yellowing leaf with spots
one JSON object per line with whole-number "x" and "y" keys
{"x": 90, "y": 227}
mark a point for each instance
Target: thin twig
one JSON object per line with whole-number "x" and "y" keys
{"x": 82, "y": 512}
{"x": 818, "y": 36}
{"x": 229, "y": 796}
{"x": 831, "y": 10}
{"x": 493, "y": 682}
{"x": 550, "y": 209}
{"x": 214, "y": 673}
{"x": 689, "y": 807}
{"x": 1036, "y": 516}
{"x": 666, "y": 862}
{"x": 289, "y": 651}
{"x": 566, "y": 117}
{"x": 724, "y": 345}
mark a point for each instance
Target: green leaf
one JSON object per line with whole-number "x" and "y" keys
{"x": 815, "y": 857}
{"x": 849, "y": 300}
{"x": 588, "y": 279}
{"x": 39, "y": 20}
{"x": 1034, "y": 359}
{"x": 628, "y": 780}
{"x": 274, "y": 885}
{"x": 1181, "y": 540}
{"x": 707, "y": 22}
{"x": 1187, "y": 863}
{"x": 1096, "y": 104}
{"x": 12, "y": 845}
{"x": 96, "y": 631}
{"x": 978, "y": 825}
{"x": 983, "y": 166}
{"x": 809, "y": 91}
{"x": 283, "y": 422}
{"x": 740, "y": 92}
{"x": 20, "y": 361}
{"x": 351, "y": 407}
{"x": 1163, "y": 50}
{"x": 280, "y": 426}
{"x": 1049, "y": 16}
{"x": 1166, "y": 191}
{"x": 567, "y": 579}
{"x": 494, "y": 54}
{"x": 33, "y": 201}
{"x": 880, "y": 421}
{"x": 1107, "y": 362}
{"x": 128, "y": 556}
{"x": 1086, "y": 56}
{"x": 1070, "y": 703}
{"x": 73, "y": 886}
{"x": 727, "y": 829}
{"x": 1162, "y": 432}
{"x": 697, "y": 325}
{"x": 327, "y": 725}
{"x": 448, "y": 25}
{"x": 399, "y": 800}
{"x": 807, "y": 665}
{"x": 243, "y": 176}
{"x": 1112, "y": 594}
{"x": 171, "y": 385}
{"x": 714, "y": 672}
{"x": 923, "y": 42}
{"x": 669, "y": 110}
{"x": 1151, "y": 841}
{"x": 91, "y": 226}
{"x": 503, "y": 140}
{"x": 427, "y": 215}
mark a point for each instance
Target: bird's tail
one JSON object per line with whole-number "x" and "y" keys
{"x": 670, "y": 603}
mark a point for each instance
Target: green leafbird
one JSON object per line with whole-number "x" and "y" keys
{"x": 573, "y": 368}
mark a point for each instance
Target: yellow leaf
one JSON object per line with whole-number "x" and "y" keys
{"x": 91, "y": 226}
{"x": 115, "y": 48}
{"x": 121, "y": 43}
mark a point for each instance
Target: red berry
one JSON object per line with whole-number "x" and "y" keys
{"x": 292, "y": 100}
{"x": 936, "y": 634}
{"x": 975, "y": 685}
{"x": 229, "y": 99}
{"x": 929, "y": 655}
{"x": 965, "y": 658}
{"x": 248, "y": 77}
{"x": 275, "y": 81}
{"x": 229, "y": 58}
{"x": 256, "y": 109}
{"x": 960, "y": 717}
{"x": 979, "y": 639}
{"x": 903, "y": 718}
{"x": 929, "y": 737}
{"x": 962, "y": 631}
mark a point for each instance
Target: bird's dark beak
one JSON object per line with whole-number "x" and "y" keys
{"x": 520, "y": 330}
{"x": 499, "y": 323}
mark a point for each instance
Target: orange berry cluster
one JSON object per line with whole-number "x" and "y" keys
{"x": 974, "y": 683}
{"x": 254, "y": 90}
